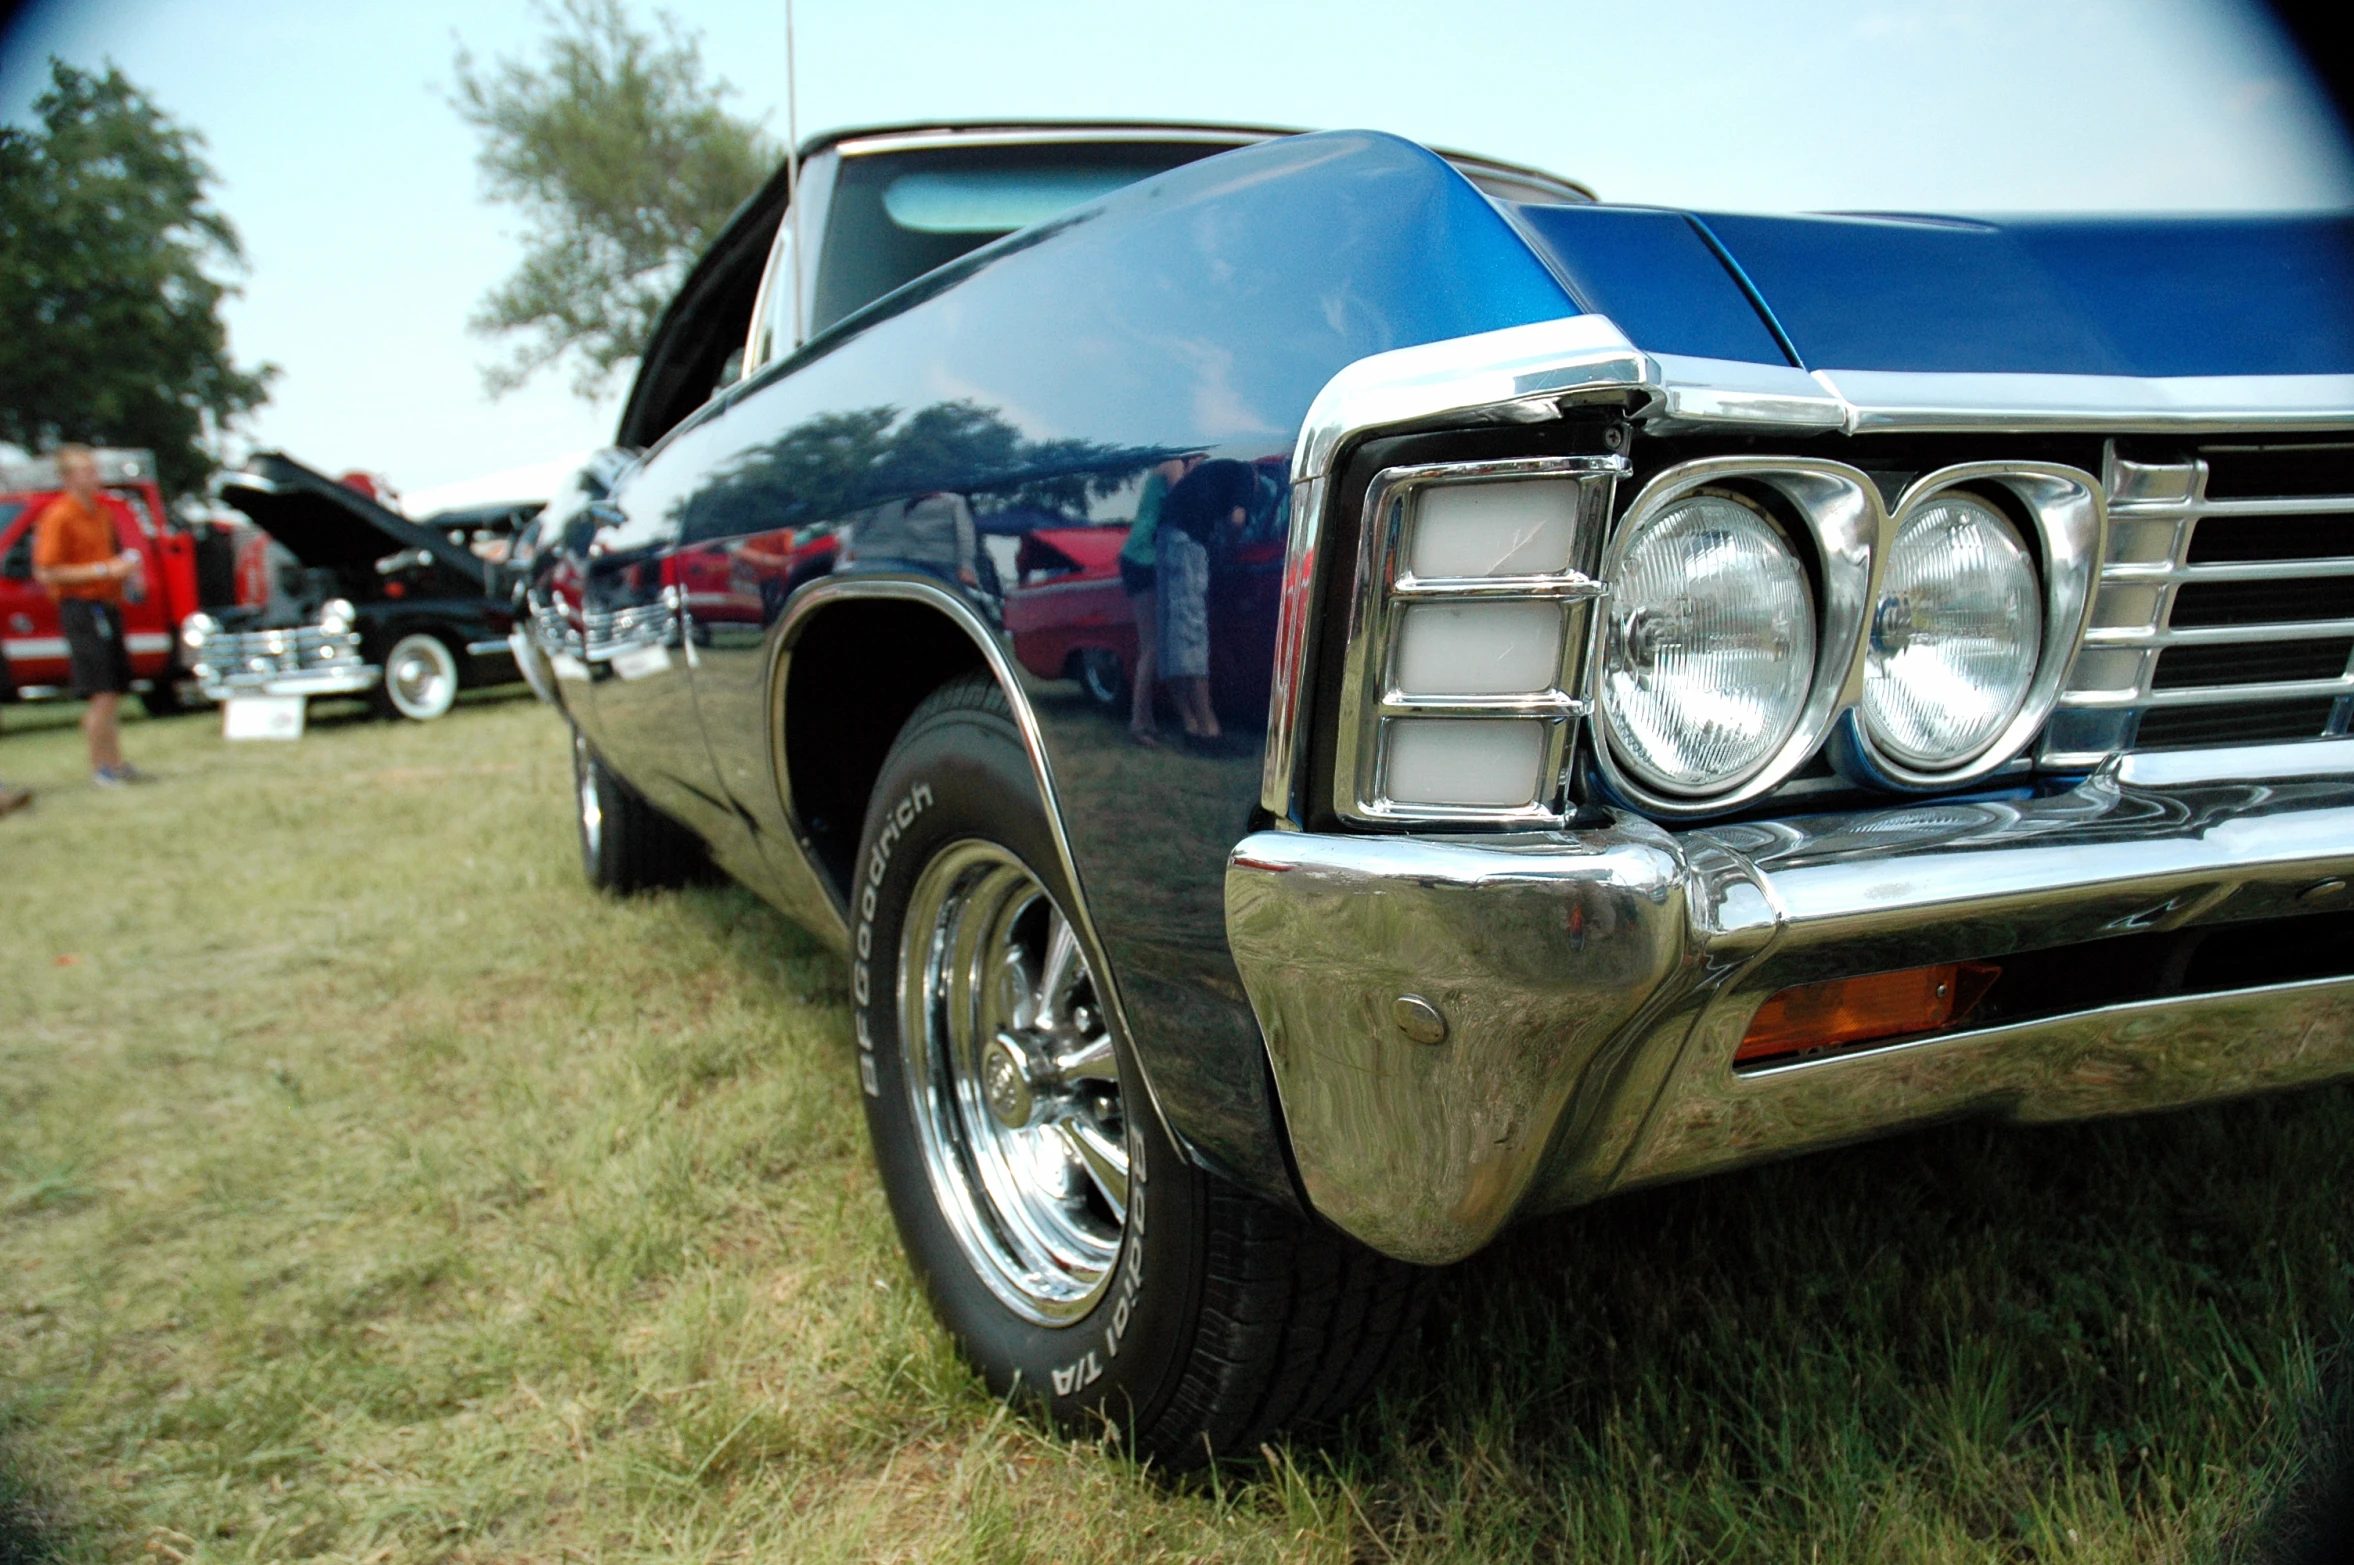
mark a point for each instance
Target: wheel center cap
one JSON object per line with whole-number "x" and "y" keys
{"x": 1005, "y": 1082}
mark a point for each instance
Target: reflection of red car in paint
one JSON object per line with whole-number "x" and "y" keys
{"x": 167, "y": 586}
{"x": 1070, "y": 618}
{"x": 1067, "y": 614}
{"x": 745, "y": 581}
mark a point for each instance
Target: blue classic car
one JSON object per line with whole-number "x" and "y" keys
{"x": 1634, "y": 693}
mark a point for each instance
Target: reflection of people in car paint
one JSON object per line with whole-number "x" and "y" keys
{"x": 1214, "y": 494}
{"x": 934, "y": 530}
{"x": 1138, "y": 558}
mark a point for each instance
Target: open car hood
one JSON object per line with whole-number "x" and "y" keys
{"x": 330, "y": 527}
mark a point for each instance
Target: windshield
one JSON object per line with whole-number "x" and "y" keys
{"x": 897, "y": 215}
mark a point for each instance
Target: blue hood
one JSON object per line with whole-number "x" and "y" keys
{"x": 2104, "y": 296}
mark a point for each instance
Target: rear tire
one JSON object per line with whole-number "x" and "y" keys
{"x": 1079, "y": 1260}
{"x": 626, "y": 845}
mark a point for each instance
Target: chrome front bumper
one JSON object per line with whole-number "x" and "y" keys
{"x": 1595, "y": 984}
{"x": 343, "y": 680}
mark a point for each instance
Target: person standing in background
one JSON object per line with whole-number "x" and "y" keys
{"x": 1137, "y": 560}
{"x": 77, "y": 556}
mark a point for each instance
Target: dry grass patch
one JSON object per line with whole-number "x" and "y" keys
{"x": 372, "y": 1190}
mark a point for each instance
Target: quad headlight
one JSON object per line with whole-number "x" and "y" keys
{"x": 1710, "y": 644}
{"x": 337, "y": 615}
{"x": 1956, "y": 634}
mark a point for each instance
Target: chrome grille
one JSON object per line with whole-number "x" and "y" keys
{"x": 2226, "y": 607}
{"x": 261, "y": 653}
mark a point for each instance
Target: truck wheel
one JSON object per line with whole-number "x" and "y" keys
{"x": 626, "y": 845}
{"x": 420, "y": 678}
{"x": 1104, "y": 679}
{"x": 161, "y": 698}
{"x": 1079, "y": 1260}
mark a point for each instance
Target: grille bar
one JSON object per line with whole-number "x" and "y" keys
{"x": 2226, "y": 605}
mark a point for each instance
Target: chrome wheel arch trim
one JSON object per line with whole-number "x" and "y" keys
{"x": 826, "y": 592}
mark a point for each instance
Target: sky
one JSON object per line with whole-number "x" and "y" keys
{"x": 369, "y": 239}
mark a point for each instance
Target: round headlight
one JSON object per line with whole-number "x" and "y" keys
{"x": 196, "y": 627}
{"x": 1955, "y": 634}
{"x": 1711, "y": 645}
{"x": 336, "y": 615}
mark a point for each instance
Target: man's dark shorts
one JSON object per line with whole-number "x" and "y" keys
{"x": 94, "y": 645}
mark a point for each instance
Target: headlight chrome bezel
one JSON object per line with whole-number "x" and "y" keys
{"x": 1848, "y": 529}
{"x": 2070, "y": 517}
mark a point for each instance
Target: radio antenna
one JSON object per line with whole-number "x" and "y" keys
{"x": 793, "y": 171}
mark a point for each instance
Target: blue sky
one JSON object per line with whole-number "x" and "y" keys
{"x": 369, "y": 240}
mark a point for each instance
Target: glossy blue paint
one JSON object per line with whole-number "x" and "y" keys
{"x": 1041, "y": 380}
{"x": 2109, "y": 296}
{"x": 1655, "y": 274}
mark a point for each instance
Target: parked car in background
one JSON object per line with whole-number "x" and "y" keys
{"x": 406, "y": 613}
{"x": 1716, "y": 687}
{"x": 160, "y": 598}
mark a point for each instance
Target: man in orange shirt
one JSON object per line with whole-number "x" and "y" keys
{"x": 78, "y": 558}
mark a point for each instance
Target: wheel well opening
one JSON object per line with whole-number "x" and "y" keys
{"x": 858, "y": 670}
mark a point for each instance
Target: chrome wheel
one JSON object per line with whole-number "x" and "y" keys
{"x": 592, "y": 809}
{"x": 420, "y": 677}
{"x": 1015, "y": 1087}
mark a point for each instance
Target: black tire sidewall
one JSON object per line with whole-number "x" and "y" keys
{"x": 954, "y": 777}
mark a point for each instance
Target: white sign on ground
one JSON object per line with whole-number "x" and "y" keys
{"x": 262, "y": 717}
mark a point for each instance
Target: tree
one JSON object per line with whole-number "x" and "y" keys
{"x": 110, "y": 328}
{"x": 620, "y": 155}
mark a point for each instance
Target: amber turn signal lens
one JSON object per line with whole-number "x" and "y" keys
{"x": 1856, "y": 1010}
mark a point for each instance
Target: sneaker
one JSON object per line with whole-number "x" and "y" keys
{"x": 112, "y": 777}
{"x": 14, "y": 799}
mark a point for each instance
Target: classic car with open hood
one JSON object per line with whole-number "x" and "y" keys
{"x": 406, "y": 613}
{"x": 1689, "y": 689}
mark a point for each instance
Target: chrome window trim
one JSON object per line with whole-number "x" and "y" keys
{"x": 1385, "y": 588}
{"x": 1850, "y": 528}
{"x": 1047, "y": 136}
{"x": 2071, "y": 521}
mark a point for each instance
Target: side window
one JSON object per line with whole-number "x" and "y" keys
{"x": 17, "y": 563}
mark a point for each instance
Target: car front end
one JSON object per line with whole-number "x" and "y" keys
{"x": 1677, "y": 763}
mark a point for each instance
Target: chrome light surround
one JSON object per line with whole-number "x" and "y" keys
{"x": 1850, "y": 530}
{"x": 1386, "y": 589}
{"x": 2071, "y": 523}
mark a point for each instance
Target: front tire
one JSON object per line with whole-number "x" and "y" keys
{"x": 1079, "y": 1260}
{"x": 420, "y": 678}
{"x": 626, "y": 845}
{"x": 1105, "y": 679}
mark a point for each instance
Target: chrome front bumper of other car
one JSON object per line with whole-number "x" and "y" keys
{"x": 303, "y": 661}
{"x": 1467, "y": 1029}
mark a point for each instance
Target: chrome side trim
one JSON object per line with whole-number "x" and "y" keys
{"x": 1519, "y": 375}
{"x": 1851, "y": 529}
{"x": 1386, "y": 587}
{"x": 1701, "y": 392}
{"x": 819, "y": 595}
{"x": 1893, "y": 399}
{"x": 2072, "y": 524}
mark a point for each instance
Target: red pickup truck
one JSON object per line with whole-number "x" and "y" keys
{"x": 162, "y": 595}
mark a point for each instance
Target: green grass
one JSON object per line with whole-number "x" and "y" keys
{"x": 371, "y": 1190}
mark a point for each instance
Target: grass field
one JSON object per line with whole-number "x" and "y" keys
{"x": 370, "y": 1190}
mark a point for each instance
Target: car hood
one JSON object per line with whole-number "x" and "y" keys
{"x": 330, "y": 527}
{"x": 2143, "y": 296}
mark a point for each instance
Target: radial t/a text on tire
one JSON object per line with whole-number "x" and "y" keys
{"x": 1080, "y": 1260}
